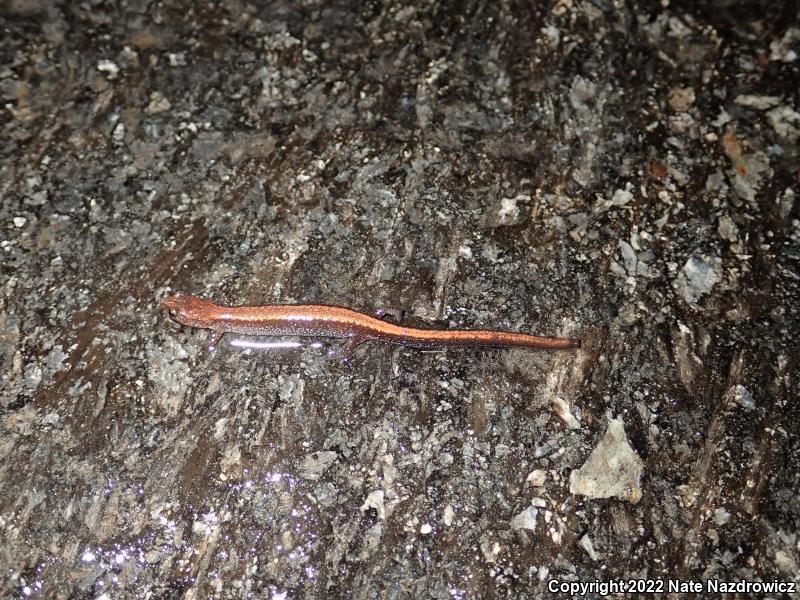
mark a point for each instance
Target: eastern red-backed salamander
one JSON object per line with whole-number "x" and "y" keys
{"x": 338, "y": 322}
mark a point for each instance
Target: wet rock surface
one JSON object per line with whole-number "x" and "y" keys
{"x": 625, "y": 173}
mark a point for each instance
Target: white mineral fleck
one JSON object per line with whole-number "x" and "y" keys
{"x": 508, "y": 210}
{"x": 118, "y": 134}
{"x": 108, "y": 67}
{"x": 552, "y": 34}
{"x": 449, "y": 514}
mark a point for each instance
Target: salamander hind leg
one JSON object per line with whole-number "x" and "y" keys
{"x": 213, "y": 338}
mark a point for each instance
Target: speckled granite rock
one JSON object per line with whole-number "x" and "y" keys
{"x": 622, "y": 172}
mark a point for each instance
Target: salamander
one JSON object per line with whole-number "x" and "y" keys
{"x": 338, "y": 322}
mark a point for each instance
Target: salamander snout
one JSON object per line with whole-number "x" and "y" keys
{"x": 173, "y": 303}
{"x": 188, "y": 310}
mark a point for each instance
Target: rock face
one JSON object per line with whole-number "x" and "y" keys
{"x": 622, "y": 172}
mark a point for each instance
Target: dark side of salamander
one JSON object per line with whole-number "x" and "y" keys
{"x": 322, "y": 320}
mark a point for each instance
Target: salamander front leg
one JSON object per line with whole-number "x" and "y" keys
{"x": 345, "y": 353}
{"x": 395, "y": 312}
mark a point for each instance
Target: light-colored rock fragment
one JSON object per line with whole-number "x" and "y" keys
{"x": 375, "y": 500}
{"x": 621, "y": 197}
{"x": 525, "y": 519}
{"x": 613, "y": 469}
{"x": 315, "y": 464}
{"x": 448, "y": 516}
{"x": 582, "y": 93}
{"x": 490, "y": 549}
{"x": 158, "y": 104}
{"x": 785, "y": 562}
{"x": 786, "y": 122}
{"x": 563, "y": 411}
{"x": 698, "y": 277}
{"x": 586, "y": 543}
{"x": 511, "y": 211}
{"x": 749, "y": 174}
{"x": 757, "y": 102}
{"x": 727, "y": 229}
{"x": 681, "y": 98}
{"x": 782, "y": 49}
{"x": 721, "y": 516}
{"x": 536, "y": 478}
{"x": 742, "y": 396}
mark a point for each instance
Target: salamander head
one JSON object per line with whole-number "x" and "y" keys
{"x": 190, "y": 310}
